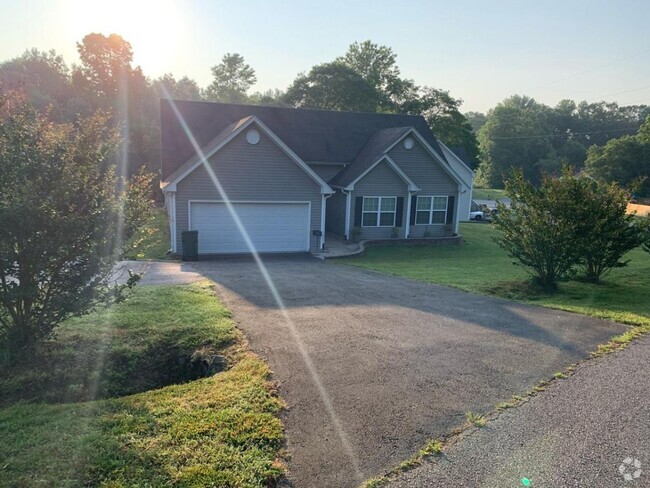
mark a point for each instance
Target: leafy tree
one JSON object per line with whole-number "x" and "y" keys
{"x": 645, "y": 227}
{"x": 107, "y": 80}
{"x": 333, "y": 86}
{"x": 624, "y": 160}
{"x": 139, "y": 212}
{"x": 568, "y": 221}
{"x": 476, "y": 120}
{"x": 182, "y": 89}
{"x": 45, "y": 79}
{"x": 442, "y": 113}
{"x": 105, "y": 65}
{"x": 516, "y": 135}
{"x": 605, "y": 231}
{"x": 522, "y": 133}
{"x": 59, "y": 214}
{"x": 538, "y": 230}
{"x": 269, "y": 97}
{"x": 378, "y": 66}
{"x": 232, "y": 79}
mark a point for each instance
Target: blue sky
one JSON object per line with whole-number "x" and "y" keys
{"x": 480, "y": 51}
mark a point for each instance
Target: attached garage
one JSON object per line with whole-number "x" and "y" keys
{"x": 271, "y": 226}
{"x": 277, "y": 198}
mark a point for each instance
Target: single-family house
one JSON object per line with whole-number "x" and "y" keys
{"x": 281, "y": 179}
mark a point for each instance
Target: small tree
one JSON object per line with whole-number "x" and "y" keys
{"x": 58, "y": 214}
{"x": 645, "y": 229}
{"x": 139, "y": 210}
{"x": 538, "y": 230}
{"x": 606, "y": 233}
{"x": 567, "y": 222}
{"x": 232, "y": 79}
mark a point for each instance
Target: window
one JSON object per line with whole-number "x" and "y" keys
{"x": 431, "y": 210}
{"x": 379, "y": 211}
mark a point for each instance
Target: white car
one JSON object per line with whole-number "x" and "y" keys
{"x": 477, "y": 215}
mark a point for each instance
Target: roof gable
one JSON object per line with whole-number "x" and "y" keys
{"x": 226, "y": 135}
{"x": 378, "y": 147}
{"x": 314, "y": 135}
{"x": 369, "y": 155}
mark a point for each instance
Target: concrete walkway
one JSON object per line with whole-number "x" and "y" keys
{"x": 158, "y": 272}
{"x": 589, "y": 430}
{"x": 336, "y": 246}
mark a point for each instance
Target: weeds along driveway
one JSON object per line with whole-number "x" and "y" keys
{"x": 401, "y": 361}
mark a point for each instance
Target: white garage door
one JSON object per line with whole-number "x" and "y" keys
{"x": 272, "y": 227}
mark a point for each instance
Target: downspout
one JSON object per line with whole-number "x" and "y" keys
{"x": 348, "y": 205}
{"x": 323, "y": 207}
{"x": 457, "y": 217}
{"x": 172, "y": 218}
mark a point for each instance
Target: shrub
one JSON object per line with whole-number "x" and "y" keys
{"x": 567, "y": 222}
{"x": 538, "y": 230}
{"x": 606, "y": 233}
{"x": 59, "y": 211}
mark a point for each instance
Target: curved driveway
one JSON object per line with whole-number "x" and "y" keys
{"x": 400, "y": 361}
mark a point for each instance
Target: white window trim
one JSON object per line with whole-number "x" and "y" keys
{"x": 431, "y": 209}
{"x": 378, "y": 211}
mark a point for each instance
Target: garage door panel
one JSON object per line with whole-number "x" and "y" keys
{"x": 272, "y": 227}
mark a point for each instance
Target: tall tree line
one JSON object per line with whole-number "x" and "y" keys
{"x": 524, "y": 134}
{"x": 517, "y": 133}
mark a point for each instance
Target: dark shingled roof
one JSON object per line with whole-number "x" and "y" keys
{"x": 462, "y": 155}
{"x": 314, "y": 135}
{"x": 379, "y": 141}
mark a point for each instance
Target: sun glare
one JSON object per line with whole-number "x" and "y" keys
{"x": 152, "y": 27}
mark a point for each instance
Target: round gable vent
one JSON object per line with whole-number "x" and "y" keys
{"x": 408, "y": 143}
{"x": 252, "y": 136}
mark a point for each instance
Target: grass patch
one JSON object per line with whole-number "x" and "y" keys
{"x": 481, "y": 266}
{"x": 221, "y": 430}
{"x": 151, "y": 241}
{"x": 147, "y": 342}
{"x": 488, "y": 194}
{"x": 432, "y": 448}
{"x": 476, "y": 419}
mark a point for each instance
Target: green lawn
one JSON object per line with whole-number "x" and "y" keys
{"x": 221, "y": 430}
{"x": 480, "y": 266}
{"x": 488, "y": 194}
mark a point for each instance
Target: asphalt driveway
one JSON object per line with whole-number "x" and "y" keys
{"x": 590, "y": 430}
{"x": 399, "y": 361}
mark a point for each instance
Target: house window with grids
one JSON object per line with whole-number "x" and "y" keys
{"x": 379, "y": 211}
{"x": 431, "y": 210}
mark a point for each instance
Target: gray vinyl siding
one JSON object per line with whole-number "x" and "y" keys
{"x": 381, "y": 181}
{"x": 326, "y": 171}
{"x": 335, "y": 209}
{"x": 250, "y": 172}
{"x": 429, "y": 176}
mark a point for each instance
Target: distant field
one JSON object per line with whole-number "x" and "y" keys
{"x": 488, "y": 194}
{"x": 640, "y": 210}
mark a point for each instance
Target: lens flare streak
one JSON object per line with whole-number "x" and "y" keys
{"x": 274, "y": 291}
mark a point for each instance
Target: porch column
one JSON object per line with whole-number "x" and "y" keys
{"x": 348, "y": 207}
{"x": 407, "y": 232}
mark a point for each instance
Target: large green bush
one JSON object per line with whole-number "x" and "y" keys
{"x": 566, "y": 223}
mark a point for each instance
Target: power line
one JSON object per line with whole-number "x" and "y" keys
{"x": 618, "y": 93}
{"x": 590, "y": 70}
{"x": 544, "y": 136}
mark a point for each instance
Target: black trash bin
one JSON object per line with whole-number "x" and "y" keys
{"x": 190, "y": 239}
